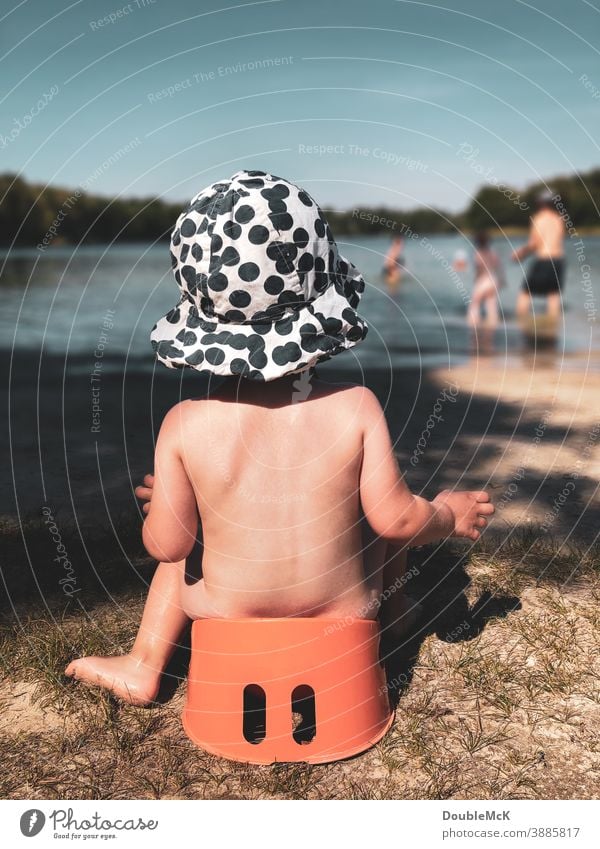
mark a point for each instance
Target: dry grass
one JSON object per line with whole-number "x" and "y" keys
{"x": 507, "y": 707}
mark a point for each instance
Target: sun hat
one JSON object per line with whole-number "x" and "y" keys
{"x": 264, "y": 290}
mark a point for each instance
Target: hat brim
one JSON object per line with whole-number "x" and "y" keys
{"x": 264, "y": 349}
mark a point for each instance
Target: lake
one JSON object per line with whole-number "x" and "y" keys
{"x": 68, "y": 300}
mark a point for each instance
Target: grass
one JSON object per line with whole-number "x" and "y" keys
{"x": 499, "y": 696}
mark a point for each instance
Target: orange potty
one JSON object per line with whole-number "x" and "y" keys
{"x": 266, "y": 690}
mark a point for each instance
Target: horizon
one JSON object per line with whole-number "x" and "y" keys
{"x": 353, "y": 207}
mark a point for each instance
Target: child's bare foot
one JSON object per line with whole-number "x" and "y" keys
{"x": 471, "y": 511}
{"x": 126, "y": 676}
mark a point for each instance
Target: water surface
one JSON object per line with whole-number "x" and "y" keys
{"x": 67, "y": 301}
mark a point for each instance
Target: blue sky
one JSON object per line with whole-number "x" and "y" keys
{"x": 361, "y": 102}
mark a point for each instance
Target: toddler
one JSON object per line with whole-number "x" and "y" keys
{"x": 278, "y": 494}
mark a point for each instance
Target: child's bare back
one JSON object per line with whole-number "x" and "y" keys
{"x": 276, "y": 485}
{"x": 280, "y": 488}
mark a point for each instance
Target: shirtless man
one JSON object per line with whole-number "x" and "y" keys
{"x": 299, "y": 502}
{"x": 546, "y": 242}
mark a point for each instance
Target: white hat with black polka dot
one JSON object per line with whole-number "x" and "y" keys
{"x": 264, "y": 290}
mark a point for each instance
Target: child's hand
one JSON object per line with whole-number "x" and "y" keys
{"x": 144, "y": 493}
{"x": 471, "y": 511}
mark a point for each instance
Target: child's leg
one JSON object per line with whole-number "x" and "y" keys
{"x": 399, "y": 611}
{"x": 135, "y": 677}
{"x": 385, "y": 568}
{"x": 474, "y": 313}
{"x": 491, "y": 311}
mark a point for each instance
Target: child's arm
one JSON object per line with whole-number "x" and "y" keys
{"x": 170, "y": 530}
{"x": 392, "y": 511}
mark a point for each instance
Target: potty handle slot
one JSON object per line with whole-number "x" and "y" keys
{"x": 303, "y": 713}
{"x": 254, "y": 725}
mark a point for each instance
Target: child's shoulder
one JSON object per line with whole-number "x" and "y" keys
{"x": 342, "y": 397}
{"x": 354, "y": 394}
{"x": 182, "y": 413}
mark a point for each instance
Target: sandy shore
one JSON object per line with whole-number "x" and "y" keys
{"x": 538, "y": 446}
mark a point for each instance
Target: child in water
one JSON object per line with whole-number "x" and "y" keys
{"x": 393, "y": 265}
{"x": 278, "y": 494}
{"x": 489, "y": 278}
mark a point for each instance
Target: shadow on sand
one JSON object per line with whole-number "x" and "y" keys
{"x": 439, "y": 586}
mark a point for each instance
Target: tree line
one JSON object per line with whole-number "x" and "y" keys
{"x": 32, "y": 214}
